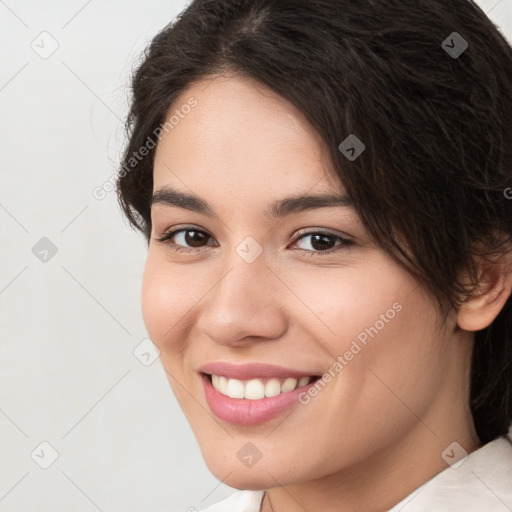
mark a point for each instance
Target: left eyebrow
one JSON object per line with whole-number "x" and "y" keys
{"x": 280, "y": 208}
{"x": 301, "y": 203}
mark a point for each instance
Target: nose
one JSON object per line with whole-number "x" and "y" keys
{"x": 244, "y": 305}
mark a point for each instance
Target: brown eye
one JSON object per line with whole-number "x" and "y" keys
{"x": 188, "y": 238}
{"x": 195, "y": 238}
{"x": 320, "y": 242}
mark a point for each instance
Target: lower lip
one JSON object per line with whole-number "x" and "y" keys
{"x": 242, "y": 411}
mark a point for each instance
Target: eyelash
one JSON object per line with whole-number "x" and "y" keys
{"x": 345, "y": 242}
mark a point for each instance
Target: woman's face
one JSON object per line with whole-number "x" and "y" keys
{"x": 301, "y": 287}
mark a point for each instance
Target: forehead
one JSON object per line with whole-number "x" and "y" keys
{"x": 241, "y": 134}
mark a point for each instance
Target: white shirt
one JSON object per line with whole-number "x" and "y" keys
{"x": 481, "y": 483}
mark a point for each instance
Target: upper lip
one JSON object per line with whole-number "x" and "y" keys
{"x": 251, "y": 370}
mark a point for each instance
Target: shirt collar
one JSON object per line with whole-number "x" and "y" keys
{"x": 482, "y": 481}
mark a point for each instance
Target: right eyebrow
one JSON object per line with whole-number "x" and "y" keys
{"x": 171, "y": 197}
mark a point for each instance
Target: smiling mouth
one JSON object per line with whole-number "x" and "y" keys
{"x": 257, "y": 388}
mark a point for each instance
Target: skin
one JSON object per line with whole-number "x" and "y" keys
{"x": 377, "y": 430}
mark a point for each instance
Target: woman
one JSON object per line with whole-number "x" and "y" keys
{"x": 323, "y": 188}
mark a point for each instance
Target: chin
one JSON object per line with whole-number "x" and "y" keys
{"x": 248, "y": 483}
{"x": 250, "y": 479}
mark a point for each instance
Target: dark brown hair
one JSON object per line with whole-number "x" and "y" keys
{"x": 435, "y": 117}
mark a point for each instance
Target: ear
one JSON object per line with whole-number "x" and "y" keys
{"x": 494, "y": 288}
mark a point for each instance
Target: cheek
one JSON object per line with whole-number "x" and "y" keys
{"x": 382, "y": 327}
{"x": 352, "y": 304}
{"x": 393, "y": 363}
{"x": 167, "y": 295}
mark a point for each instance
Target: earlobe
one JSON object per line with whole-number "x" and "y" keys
{"x": 480, "y": 308}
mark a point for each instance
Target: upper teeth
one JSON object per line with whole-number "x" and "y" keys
{"x": 256, "y": 389}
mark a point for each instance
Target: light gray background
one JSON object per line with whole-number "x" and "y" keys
{"x": 69, "y": 326}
